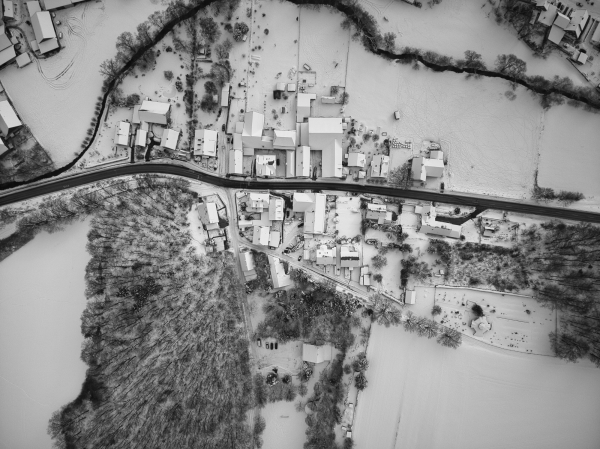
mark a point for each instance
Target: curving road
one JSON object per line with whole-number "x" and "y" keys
{"x": 186, "y": 172}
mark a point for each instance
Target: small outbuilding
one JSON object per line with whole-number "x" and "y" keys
{"x": 316, "y": 354}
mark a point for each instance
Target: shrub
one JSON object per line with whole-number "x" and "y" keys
{"x": 436, "y": 310}
{"x": 168, "y": 75}
{"x": 477, "y": 310}
{"x": 360, "y": 381}
{"x": 239, "y": 31}
{"x": 266, "y": 31}
{"x": 210, "y": 88}
{"x": 179, "y": 86}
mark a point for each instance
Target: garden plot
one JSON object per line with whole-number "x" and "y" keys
{"x": 422, "y": 395}
{"x": 285, "y": 426}
{"x": 273, "y": 59}
{"x": 519, "y": 323}
{"x": 569, "y": 153}
{"x": 57, "y": 100}
{"x": 489, "y": 140}
{"x": 453, "y": 27}
{"x": 324, "y": 47}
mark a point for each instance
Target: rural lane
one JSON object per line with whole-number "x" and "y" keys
{"x": 51, "y": 186}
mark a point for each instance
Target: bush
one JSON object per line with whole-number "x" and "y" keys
{"x": 211, "y": 88}
{"x": 360, "y": 381}
{"x": 179, "y": 86}
{"x": 477, "y": 310}
{"x": 168, "y": 75}
{"x": 266, "y": 31}
{"x": 239, "y": 31}
{"x": 436, "y": 310}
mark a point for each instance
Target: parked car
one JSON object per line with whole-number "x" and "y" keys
{"x": 301, "y": 225}
{"x": 259, "y": 342}
{"x": 276, "y": 345}
{"x": 60, "y": 35}
{"x": 223, "y": 127}
{"x": 272, "y": 346}
{"x": 306, "y": 67}
{"x": 299, "y": 258}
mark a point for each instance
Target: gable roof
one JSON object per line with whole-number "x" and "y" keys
{"x": 42, "y": 26}
{"x": 122, "y": 134}
{"x": 316, "y": 354}
{"x": 8, "y": 117}
{"x": 285, "y": 139}
{"x": 303, "y": 161}
{"x": 236, "y": 162}
{"x": 205, "y": 142}
{"x": 278, "y": 276}
{"x": 169, "y": 139}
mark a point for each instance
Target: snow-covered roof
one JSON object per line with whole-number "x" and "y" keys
{"x": 48, "y": 45}
{"x": 207, "y": 212}
{"x": 276, "y": 206}
{"x": 261, "y": 235}
{"x": 278, "y": 276}
{"x": 33, "y": 7}
{"x": 284, "y": 139}
{"x": 247, "y": 261}
{"x": 547, "y": 17}
{"x": 349, "y": 257}
{"x": 578, "y": 20}
{"x": 556, "y": 34}
{"x": 9, "y": 10}
{"x": 326, "y": 256}
{"x": 379, "y": 166}
{"x": 4, "y": 41}
{"x": 140, "y": 137}
{"x": 225, "y": 95}
{"x": 237, "y": 141}
{"x": 314, "y": 218}
{"x": 23, "y": 60}
{"x": 303, "y": 201}
{"x": 236, "y": 162}
{"x": 561, "y": 21}
{"x": 169, "y": 139}
{"x": 274, "y": 238}
{"x": 42, "y": 26}
{"x": 265, "y": 165}
{"x": 55, "y": 4}
{"x": 205, "y": 142}
{"x": 290, "y": 164}
{"x": 253, "y": 124}
{"x": 8, "y": 118}
{"x": 356, "y": 159}
{"x": 303, "y": 161}
{"x": 7, "y": 55}
{"x": 154, "y": 112}
{"x": 316, "y": 354}
{"x": 122, "y": 134}
{"x": 303, "y": 106}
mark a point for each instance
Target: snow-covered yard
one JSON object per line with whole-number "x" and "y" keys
{"x": 490, "y": 140}
{"x": 41, "y": 301}
{"x": 285, "y": 426}
{"x": 56, "y": 97}
{"x": 422, "y": 395}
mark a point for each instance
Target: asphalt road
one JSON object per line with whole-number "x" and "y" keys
{"x": 171, "y": 169}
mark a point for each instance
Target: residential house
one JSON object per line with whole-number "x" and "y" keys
{"x": 236, "y": 162}
{"x": 290, "y": 164}
{"x": 303, "y": 106}
{"x": 378, "y": 213}
{"x": 23, "y": 60}
{"x": 356, "y": 160}
{"x": 257, "y": 202}
{"x": 276, "y": 208}
{"x": 265, "y": 165}
{"x": 316, "y": 354}
{"x": 349, "y": 257}
{"x": 278, "y": 275}
{"x": 284, "y": 140}
{"x": 205, "y": 142}
{"x": 325, "y": 135}
{"x": 44, "y": 32}
{"x": 8, "y": 118}
{"x": 432, "y": 166}
{"x": 429, "y": 224}
{"x": 170, "y": 139}
{"x": 248, "y": 265}
{"x": 313, "y": 205}
{"x": 274, "y": 239}
{"x": 207, "y": 213}
{"x": 9, "y": 10}
{"x": 261, "y": 235}
{"x": 122, "y": 134}
{"x": 303, "y": 162}
{"x": 225, "y": 95}
{"x": 33, "y": 7}
{"x": 410, "y": 297}
{"x": 154, "y": 112}
{"x": 326, "y": 256}
{"x": 252, "y": 133}
{"x": 140, "y": 137}
{"x": 380, "y": 166}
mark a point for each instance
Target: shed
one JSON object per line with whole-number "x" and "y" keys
{"x": 23, "y": 60}
{"x": 316, "y": 354}
{"x": 410, "y": 297}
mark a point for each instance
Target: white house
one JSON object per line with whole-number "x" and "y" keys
{"x": 248, "y": 265}
{"x": 141, "y": 137}
{"x": 207, "y": 213}
{"x": 8, "y": 118}
{"x": 257, "y": 202}
{"x": 276, "y": 208}
{"x": 303, "y": 162}
{"x": 326, "y": 256}
{"x": 303, "y": 106}
{"x": 3, "y": 147}
{"x": 265, "y": 165}
{"x": 261, "y": 235}
{"x": 290, "y": 164}
{"x": 205, "y": 142}
{"x": 44, "y": 32}
{"x": 380, "y": 166}
{"x": 313, "y": 205}
{"x": 8, "y": 55}
{"x": 225, "y": 95}
{"x": 170, "y": 138}
{"x": 274, "y": 238}
{"x": 429, "y": 224}
{"x": 325, "y": 135}
{"x": 236, "y": 162}
{"x": 154, "y": 112}
{"x": 23, "y": 60}
{"x": 284, "y": 140}
{"x": 278, "y": 275}
{"x": 349, "y": 257}
{"x": 316, "y": 354}
{"x": 423, "y": 167}
{"x": 356, "y": 160}
{"x": 122, "y": 134}
{"x": 252, "y": 133}
{"x": 379, "y": 213}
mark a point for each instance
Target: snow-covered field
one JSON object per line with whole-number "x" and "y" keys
{"x": 56, "y": 97}
{"x": 454, "y": 26}
{"x": 41, "y": 301}
{"x": 490, "y": 140}
{"x": 569, "y": 152}
{"x": 422, "y": 395}
{"x": 285, "y": 426}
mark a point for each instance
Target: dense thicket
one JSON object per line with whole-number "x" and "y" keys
{"x": 567, "y": 259}
{"x": 164, "y": 336}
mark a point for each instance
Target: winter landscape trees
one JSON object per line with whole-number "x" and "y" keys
{"x": 165, "y": 342}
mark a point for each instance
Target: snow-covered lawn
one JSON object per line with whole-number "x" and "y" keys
{"x": 454, "y": 26}
{"x": 285, "y": 426}
{"x": 41, "y": 301}
{"x": 422, "y": 395}
{"x": 56, "y": 97}
{"x": 569, "y": 152}
{"x": 490, "y": 141}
